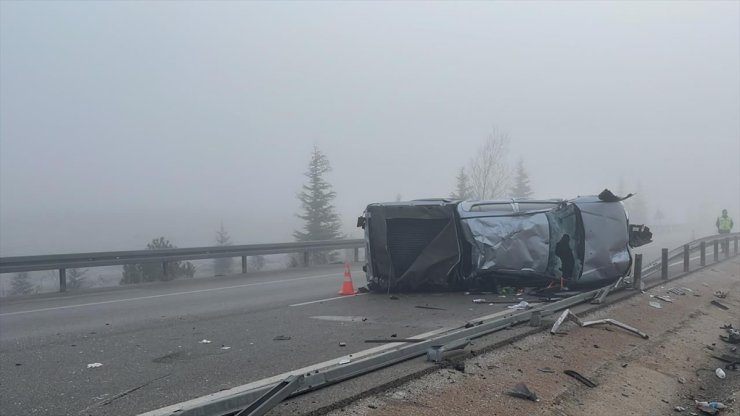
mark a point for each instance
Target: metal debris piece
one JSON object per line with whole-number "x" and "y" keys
{"x": 682, "y": 380}
{"x": 679, "y": 409}
{"x": 225, "y": 348}
{"x": 480, "y": 300}
{"x": 567, "y": 314}
{"x": 618, "y": 324}
{"x": 430, "y": 307}
{"x": 281, "y": 338}
{"x": 664, "y": 299}
{"x": 719, "y": 305}
{"x": 546, "y": 370}
{"x": 205, "y": 341}
{"x": 655, "y": 305}
{"x": 345, "y": 361}
{"x": 580, "y": 378}
{"x": 720, "y": 294}
{"x": 94, "y": 365}
{"x": 523, "y": 392}
{"x": 342, "y": 344}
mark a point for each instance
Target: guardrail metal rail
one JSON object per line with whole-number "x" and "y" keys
{"x": 62, "y": 262}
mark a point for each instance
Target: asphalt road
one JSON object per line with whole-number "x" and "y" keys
{"x": 148, "y": 337}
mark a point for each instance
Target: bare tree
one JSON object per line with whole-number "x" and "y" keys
{"x": 21, "y": 284}
{"x": 490, "y": 173}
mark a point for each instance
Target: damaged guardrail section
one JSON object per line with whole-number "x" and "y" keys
{"x": 251, "y": 399}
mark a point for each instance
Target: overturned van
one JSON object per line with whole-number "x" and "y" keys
{"x": 441, "y": 244}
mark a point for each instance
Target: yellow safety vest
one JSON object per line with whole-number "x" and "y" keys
{"x": 724, "y": 223}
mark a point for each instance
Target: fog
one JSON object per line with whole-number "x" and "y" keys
{"x": 124, "y": 121}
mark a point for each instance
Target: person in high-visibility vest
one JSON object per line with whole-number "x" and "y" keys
{"x": 724, "y": 223}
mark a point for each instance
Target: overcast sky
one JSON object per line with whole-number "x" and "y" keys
{"x": 123, "y": 121}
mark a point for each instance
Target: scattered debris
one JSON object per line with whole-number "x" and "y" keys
{"x": 523, "y": 392}
{"x": 281, "y": 338}
{"x": 710, "y": 408}
{"x": 480, "y": 300}
{"x": 567, "y": 314}
{"x": 679, "y": 409}
{"x": 459, "y": 366}
{"x": 521, "y": 306}
{"x": 372, "y": 406}
{"x": 393, "y": 297}
{"x": 342, "y": 344}
{"x": 655, "y": 305}
{"x": 430, "y": 307}
{"x": 225, "y": 347}
{"x": 546, "y": 370}
{"x": 205, "y": 341}
{"x": 720, "y": 373}
{"x": 580, "y": 378}
{"x": 94, "y": 365}
{"x": 720, "y": 294}
{"x": 733, "y": 336}
{"x": 682, "y": 380}
{"x": 618, "y": 324}
{"x": 394, "y": 335}
{"x": 664, "y": 299}
{"x": 719, "y": 305}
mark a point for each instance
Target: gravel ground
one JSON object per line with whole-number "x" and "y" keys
{"x": 634, "y": 376}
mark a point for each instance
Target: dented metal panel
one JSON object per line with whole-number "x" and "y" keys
{"x": 607, "y": 255}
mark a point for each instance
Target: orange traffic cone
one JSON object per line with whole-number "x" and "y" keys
{"x": 347, "y": 287}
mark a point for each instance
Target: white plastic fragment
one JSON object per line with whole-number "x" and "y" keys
{"x": 655, "y": 305}
{"x": 225, "y": 348}
{"x": 720, "y": 373}
{"x": 344, "y": 361}
{"x": 523, "y": 305}
{"x": 205, "y": 341}
{"x": 94, "y": 365}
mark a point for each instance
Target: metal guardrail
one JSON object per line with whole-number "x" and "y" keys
{"x": 237, "y": 399}
{"x": 62, "y": 262}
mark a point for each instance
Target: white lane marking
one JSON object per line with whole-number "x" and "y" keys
{"x": 214, "y": 289}
{"x": 326, "y": 300}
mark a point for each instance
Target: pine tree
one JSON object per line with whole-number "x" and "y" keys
{"x": 222, "y": 265}
{"x": 462, "y": 187}
{"x": 76, "y": 278}
{"x": 321, "y": 220}
{"x": 21, "y": 284}
{"x": 521, "y": 187}
{"x": 151, "y": 272}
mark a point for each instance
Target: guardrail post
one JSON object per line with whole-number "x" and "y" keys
{"x": 685, "y": 258}
{"x": 357, "y": 254}
{"x": 637, "y": 273}
{"x": 735, "y": 245}
{"x": 726, "y": 244}
{"x": 716, "y": 250}
{"x": 664, "y": 264}
{"x": 62, "y": 280}
{"x": 244, "y": 264}
{"x": 703, "y": 255}
{"x": 305, "y": 259}
{"x": 164, "y": 269}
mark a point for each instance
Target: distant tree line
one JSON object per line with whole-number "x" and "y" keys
{"x": 488, "y": 175}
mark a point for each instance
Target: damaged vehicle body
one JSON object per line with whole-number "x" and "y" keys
{"x": 441, "y": 244}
